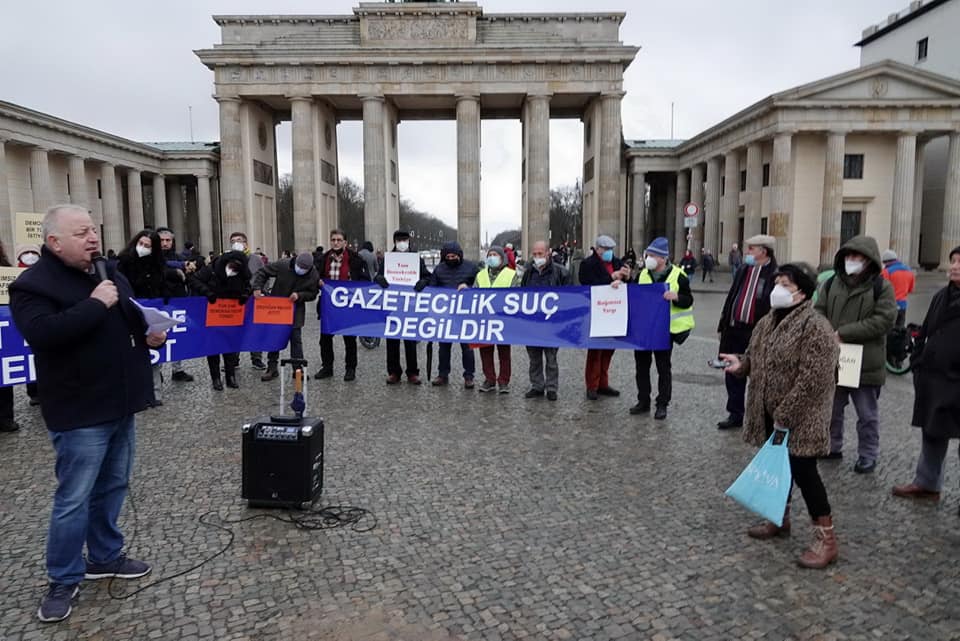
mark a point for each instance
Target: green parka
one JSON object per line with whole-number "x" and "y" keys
{"x": 855, "y": 313}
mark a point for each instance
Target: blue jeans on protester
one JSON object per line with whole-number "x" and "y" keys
{"x": 443, "y": 360}
{"x": 93, "y": 469}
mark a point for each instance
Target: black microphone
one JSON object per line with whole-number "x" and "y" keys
{"x": 99, "y": 266}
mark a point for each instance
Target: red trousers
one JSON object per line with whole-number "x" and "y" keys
{"x": 486, "y": 361}
{"x": 598, "y": 364}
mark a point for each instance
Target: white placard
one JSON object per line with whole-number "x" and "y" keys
{"x": 401, "y": 268}
{"x": 851, "y": 361}
{"x": 157, "y": 320}
{"x": 608, "y": 311}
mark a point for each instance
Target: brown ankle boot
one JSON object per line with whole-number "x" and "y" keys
{"x": 769, "y": 529}
{"x": 823, "y": 551}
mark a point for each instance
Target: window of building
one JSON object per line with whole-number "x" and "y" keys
{"x": 849, "y": 225}
{"x": 766, "y": 174}
{"x": 99, "y": 190}
{"x": 922, "y": 49}
{"x": 853, "y": 166}
{"x": 743, "y": 180}
{"x": 763, "y": 225}
{"x": 68, "y": 185}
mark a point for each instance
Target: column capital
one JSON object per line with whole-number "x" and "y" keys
{"x": 105, "y": 164}
{"x": 201, "y": 175}
{"x": 470, "y": 97}
{"x": 300, "y": 98}
{"x": 159, "y": 176}
{"x": 222, "y": 99}
{"x": 636, "y": 167}
{"x": 610, "y": 95}
{"x": 540, "y": 95}
{"x": 371, "y": 97}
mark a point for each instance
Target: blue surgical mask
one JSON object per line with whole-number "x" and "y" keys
{"x": 300, "y": 270}
{"x": 493, "y": 261}
{"x": 749, "y": 260}
{"x": 607, "y": 255}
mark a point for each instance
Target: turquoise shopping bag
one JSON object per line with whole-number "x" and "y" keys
{"x": 763, "y": 487}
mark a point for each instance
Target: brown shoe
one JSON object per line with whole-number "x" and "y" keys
{"x": 413, "y": 379}
{"x": 914, "y": 491}
{"x": 823, "y": 551}
{"x": 769, "y": 529}
{"x": 439, "y": 381}
{"x": 393, "y": 379}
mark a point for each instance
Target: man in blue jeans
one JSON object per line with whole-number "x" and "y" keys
{"x": 90, "y": 347}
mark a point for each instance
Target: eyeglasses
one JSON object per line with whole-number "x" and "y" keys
{"x": 336, "y": 240}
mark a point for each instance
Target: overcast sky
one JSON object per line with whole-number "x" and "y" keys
{"x": 128, "y": 68}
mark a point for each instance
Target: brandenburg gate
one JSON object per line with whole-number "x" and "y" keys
{"x": 394, "y": 61}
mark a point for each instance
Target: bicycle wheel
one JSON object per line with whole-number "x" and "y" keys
{"x": 898, "y": 367}
{"x": 370, "y": 342}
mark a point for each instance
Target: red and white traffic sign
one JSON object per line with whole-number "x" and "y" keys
{"x": 691, "y": 210}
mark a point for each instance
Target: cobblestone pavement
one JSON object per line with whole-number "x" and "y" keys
{"x": 499, "y": 518}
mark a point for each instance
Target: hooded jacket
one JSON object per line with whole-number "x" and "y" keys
{"x": 853, "y": 311}
{"x": 212, "y": 280}
{"x": 452, "y": 277}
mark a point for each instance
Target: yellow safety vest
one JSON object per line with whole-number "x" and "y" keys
{"x": 681, "y": 320}
{"x": 503, "y": 279}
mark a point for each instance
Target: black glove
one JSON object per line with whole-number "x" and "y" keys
{"x": 211, "y": 298}
{"x": 380, "y": 280}
{"x": 242, "y": 300}
{"x": 420, "y": 285}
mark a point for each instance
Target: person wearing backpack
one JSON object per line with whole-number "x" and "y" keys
{"x": 861, "y": 308}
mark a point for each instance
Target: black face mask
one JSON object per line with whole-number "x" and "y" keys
{"x": 452, "y": 262}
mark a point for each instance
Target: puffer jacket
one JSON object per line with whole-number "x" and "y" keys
{"x": 859, "y": 317}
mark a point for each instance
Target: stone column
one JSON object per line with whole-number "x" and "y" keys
{"x": 175, "y": 206}
{"x": 204, "y": 213}
{"x": 832, "y": 198}
{"x": 112, "y": 222}
{"x": 538, "y": 170}
{"x": 304, "y": 215}
{"x": 374, "y": 172}
{"x": 40, "y": 180}
{"x": 468, "y": 174}
{"x": 696, "y": 196}
{"x": 781, "y": 205}
{"x": 711, "y": 207}
{"x": 751, "y": 218}
{"x": 78, "y": 181}
{"x": 231, "y": 171}
{"x": 135, "y": 200}
{"x": 609, "y": 156}
{"x": 683, "y": 197}
{"x": 951, "y": 202}
{"x": 638, "y": 204}
{"x": 731, "y": 204}
{"x": 914, "y": 258}
{"x": 903, "y": 176}
{"x": 159, "y": 202}
{"x": 6, "y": 213}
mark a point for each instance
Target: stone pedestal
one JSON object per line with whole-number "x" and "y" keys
{"x": 468, "y": 175}
{"x": 832, "y": 198}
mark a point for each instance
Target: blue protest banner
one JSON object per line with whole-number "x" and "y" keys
{"x": 543, "y": 317}
{"x": 191, "y": 339}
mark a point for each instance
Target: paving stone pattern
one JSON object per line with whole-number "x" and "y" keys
{"x": 499, "y": 518}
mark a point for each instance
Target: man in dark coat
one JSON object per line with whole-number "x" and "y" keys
{"x": 453, "y": 272}
{"x": 544, "y": 370}
{"x": 601, "y": 268}
{"x": 747, "y": 302}
{"x": 182, "y": 268}
{"x": 401, "y": 243}
{"x": 339, "y": 263}
{"x": 298, "y": 280}
{"x": 936, "y": 406}
{"x": 93, "y": 368}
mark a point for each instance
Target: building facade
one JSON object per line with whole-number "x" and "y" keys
{"x": 124, "y": 184}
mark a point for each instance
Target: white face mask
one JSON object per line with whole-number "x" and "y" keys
{"x": 781, "y": 297}
{"x": 29, "y": 258}
{"x": 230, "y": 272}
{"x": 403, "y": 246}
{"x": 300, "y": 270}
{"x": 853, "y": 266}
{"x": 237, "y": 247}
{"x": 650, "y": 263}
{"x": 493, "y": 261}
{"x": 142, "y": 251}
{"x": 539, "y": 262}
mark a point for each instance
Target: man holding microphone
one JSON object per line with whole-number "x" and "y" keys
{"x": 93, "y": 367}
